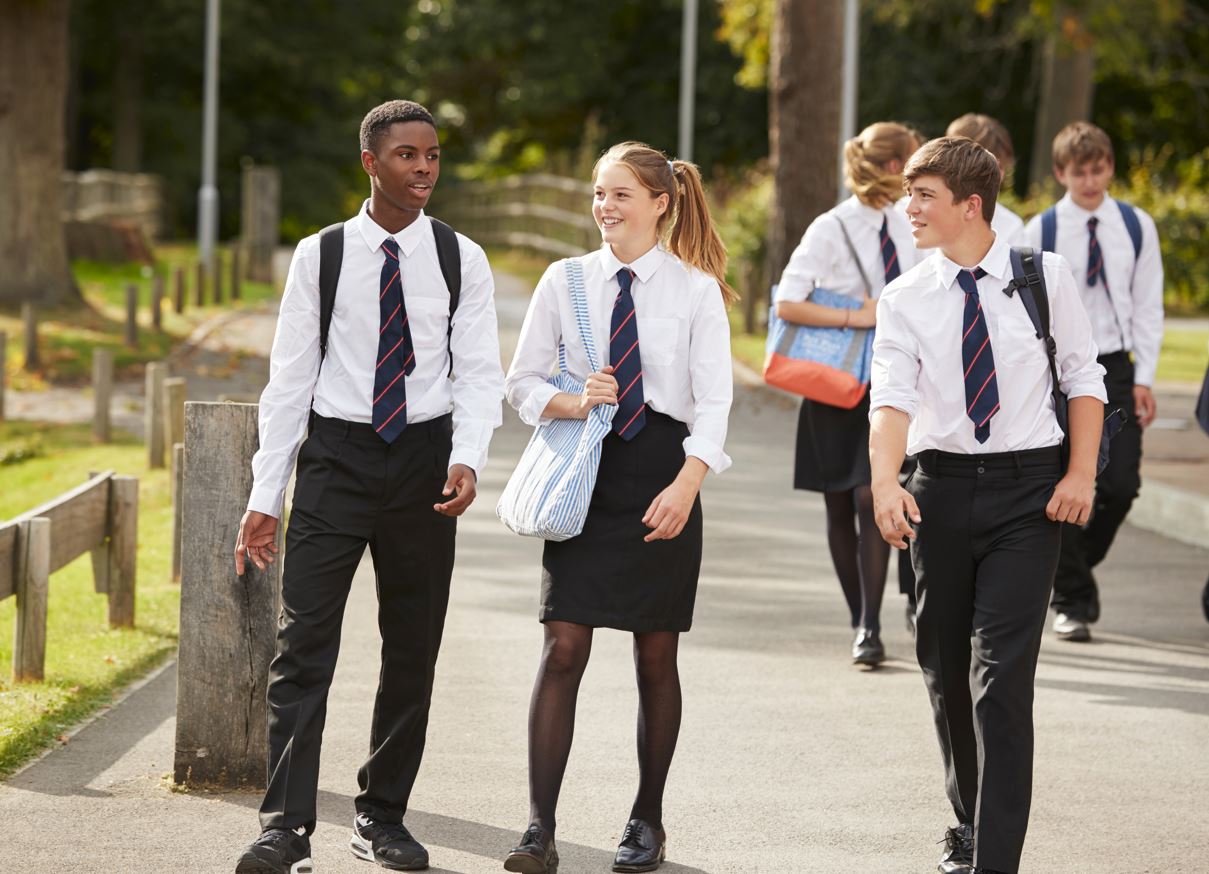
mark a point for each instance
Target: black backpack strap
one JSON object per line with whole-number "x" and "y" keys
{"x": 1029, "y": 281}
{"x": 331, "y": 257}
{"x": 449, "y": 256}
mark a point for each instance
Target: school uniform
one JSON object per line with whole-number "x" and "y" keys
{"x": 368, "y": 475}
{"x": 607, "y": 575}
{"x": 984, "y": 553}
{"x": 1124, "y": 300}
{"x": 832, "y": 448}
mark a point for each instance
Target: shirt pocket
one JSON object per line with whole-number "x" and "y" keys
{"x": 658, "y": 340}
{"x": 1015, "y": 342}
{"x": 428, "y": 317}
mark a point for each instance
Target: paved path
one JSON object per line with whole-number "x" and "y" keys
{"x": 790, "y": 759}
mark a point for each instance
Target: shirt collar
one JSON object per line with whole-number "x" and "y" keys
{"x": 1067, "y": 204}
{"x": 863, "y": 212}
{"x": 374, "y": 234}
{"x": 644, "y": 267}
{"x": 996, "y": 262}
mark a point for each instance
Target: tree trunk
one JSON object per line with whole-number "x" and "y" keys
{"x": 33, "y": 93}
{"x": 127, "y": 95}
{"x": 1067, "y": 85}
{"x": 804, "y": 88}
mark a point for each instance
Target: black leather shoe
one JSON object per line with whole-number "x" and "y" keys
{"x": 911, "y": 618}
{"x": 642, "y": 847}
{"x": 535, "y": 854}
{"x": 867, "y": 649}
{"x": 1070, "y": 627}
{"x": 389, "y": 844}
{"x": 958, "y": 857}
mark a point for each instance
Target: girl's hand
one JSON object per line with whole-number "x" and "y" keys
{"x": 865, "y": 317}
{"x": 600, "y": 388}
{"x": 669, "y": 511}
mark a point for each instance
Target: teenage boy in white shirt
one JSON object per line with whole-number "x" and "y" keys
{"x": 1113, "y": 248}
{"x": 961, "y": 380}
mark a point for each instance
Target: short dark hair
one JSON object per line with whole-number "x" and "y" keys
{"x": 1079, "y": 143}
{"x": 966, "y": 168}
{"x": 379, "y": 119}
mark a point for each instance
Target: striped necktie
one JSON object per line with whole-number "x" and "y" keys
{"x": 1095, "y": 257}
{"x": 977, "y": 359}
{"x": 889, "y": 253}
{"x": 626, "y": 361}
{"x": 396, "y": 355}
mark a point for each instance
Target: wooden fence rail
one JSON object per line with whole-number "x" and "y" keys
{"x": 547, "y": 214}
{"x": 100, "y": 517}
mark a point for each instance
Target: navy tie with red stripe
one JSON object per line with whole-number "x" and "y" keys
{"x": 977, "y": 359}
{"x": 396, "y": 355}
{"x": 889, "y": 253}
{"x": 1095, "y": 258}
{"x": 626, "y": 361}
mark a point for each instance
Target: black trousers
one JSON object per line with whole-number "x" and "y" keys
{"x": 984, "y": 558}
{"x": 354, "y": 490}
{"x": 1075, "y": 590}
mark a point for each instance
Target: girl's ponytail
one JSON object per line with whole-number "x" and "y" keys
{"x": 694, "y": 237}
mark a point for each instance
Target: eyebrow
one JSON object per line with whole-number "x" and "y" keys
{"x": 396, "y": 148}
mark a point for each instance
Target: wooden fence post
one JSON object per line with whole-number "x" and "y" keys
{"x": 123, "y": 549}
{"x": 102, "y": 388}
{"x": 3, "y": 371}
{"x": 178, "y": 290}
{"x": 236, "y": 278}
{"x": 153, "y": 412}
{"x": 174, "y": 410}
{"x": 218, "y": 268}
{"x": 157, "y": 302}
{"x": 29, "y": 325}
{"x": 33, "y": 585}
{"x": 228, "y": 623}
{"x": 199, "y": 291}
{"x": 132, "y": 315}
{"x": 178, "y": 499}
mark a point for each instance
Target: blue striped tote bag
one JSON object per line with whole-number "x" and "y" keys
{"x": 548, "y": 494}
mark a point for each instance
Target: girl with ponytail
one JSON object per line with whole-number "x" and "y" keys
{"x": 657, "y": 297}
{"x": 854, "y": 249}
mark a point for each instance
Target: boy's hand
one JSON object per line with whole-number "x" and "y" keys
{"x": 257, "y": 540}
{"x": 461, "y": 482}
{"x": 1143, "y": 403}
{"x": 893, "y": 506}
{"x": 865, "y": 317}
{"x": 1072, "y": 499}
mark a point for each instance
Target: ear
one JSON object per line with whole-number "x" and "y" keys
{"x": 661, "y": 203}
{"x": 1060, "y": 175}
{"x": 369, "y": 161}
{"x": 973, "y": 208}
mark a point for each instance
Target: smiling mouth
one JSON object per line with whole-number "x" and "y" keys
{"x": 420, "y": 187}
{"x": 610, "y": 222}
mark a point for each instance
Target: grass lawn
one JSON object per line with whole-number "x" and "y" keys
{"x": 68, "y": 334}
{"x": 86, "y": 662}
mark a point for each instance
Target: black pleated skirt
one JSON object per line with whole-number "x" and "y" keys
{"x": 832, "y": 453}
{"x": 608, "y": 576}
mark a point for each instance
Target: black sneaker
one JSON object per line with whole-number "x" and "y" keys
{"x": 389, "y": 844}
{"x": 277, "y": 851}
{"x": 958, "y": 857}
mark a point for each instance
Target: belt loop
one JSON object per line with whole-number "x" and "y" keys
{"x": 1019, "y": 467}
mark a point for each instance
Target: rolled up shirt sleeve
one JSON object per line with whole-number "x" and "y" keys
{"x": 1079, "y": 374}
{"x": 711, "y": 371}
{"x": 813, "y": 258}
{"x": 285, "y": 403}
{"x": 478, "y": 384}
{"x": 526, "y": 385}
{"x": 894, "y": 374}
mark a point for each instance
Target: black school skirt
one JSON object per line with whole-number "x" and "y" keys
{"x": 607, "y": 576}
{"x": 832, "y": 453}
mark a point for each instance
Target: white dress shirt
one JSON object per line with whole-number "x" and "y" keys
{"x": 822, "y": 257}
{"x": 1136, "y": 289}
{"x": 343, "y": 388}
{"x": 683, "y": 336}
{"x": 917, "y": 364}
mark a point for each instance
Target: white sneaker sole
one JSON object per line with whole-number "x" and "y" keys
{"x": 363, "y": 850}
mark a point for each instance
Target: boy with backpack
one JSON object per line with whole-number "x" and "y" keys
{"x": 1113, "y": 249}
{"x": 962, "y": 378}
{"x": 378, "y": 313}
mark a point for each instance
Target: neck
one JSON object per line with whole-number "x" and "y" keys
{"x": 972, "y": 247}
{"x": 628, "y": 253}
{"x": 388, "y": 216}
{"x": 1092, "y": 205}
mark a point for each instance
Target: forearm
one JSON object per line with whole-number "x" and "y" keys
{"x": 693, "y": 472}
{"x": 565, "y": 405}
{"x": 1086, "y": 420}
{"x": 887, "y": 444}
{"x": 807, "y": 313}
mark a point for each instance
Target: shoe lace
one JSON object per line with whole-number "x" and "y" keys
{"x": 631, "y": 836}
{"x": 395, "y": 831}
{"x": 274, "y": 837}
{"x": 954, "y": 839}
{"x": 533, "y": 835}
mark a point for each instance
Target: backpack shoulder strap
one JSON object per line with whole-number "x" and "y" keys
{"x": 1130, "y": 217}
{"x": 1049, "y": 229}
{"x": 331, "y": 257}
{"x": 1029, "y": 280}
{"x": 449, "y": 256}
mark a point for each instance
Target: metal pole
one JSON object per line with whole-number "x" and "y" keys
{"x": 852, "y": 27}
{"x": 688, "y": 79}
{"x": 207, "y": 196}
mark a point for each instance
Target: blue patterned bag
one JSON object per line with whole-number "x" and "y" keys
{"x": 548, "y": 494}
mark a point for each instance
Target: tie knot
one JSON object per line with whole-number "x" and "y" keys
{"x": 1091, "y": 224}
{"x": 625, "y": 278}
{"x": 391, "y": 247}
{"x": 968, "y": 279}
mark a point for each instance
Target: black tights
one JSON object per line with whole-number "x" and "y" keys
{"x": 552, "y": 717}
{"x": 860, "y": 560}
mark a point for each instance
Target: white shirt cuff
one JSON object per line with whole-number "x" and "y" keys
{"x": 708, "y": 451}
{"x": 472, "y": 458}
{"x": 533, "y": 407}
{"x": 266, "y": 499}
{"x": 902, "y": 403}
